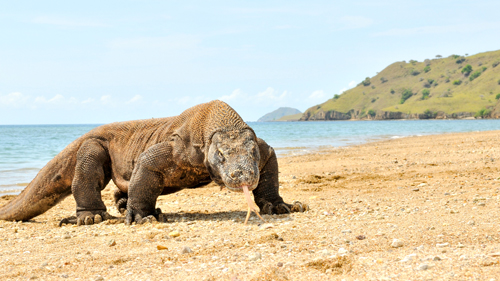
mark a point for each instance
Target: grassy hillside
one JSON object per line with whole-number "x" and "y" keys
{"x": 293, "y": 117}
{"x": 279, "y": 113}
{"x": 452, "y": 85}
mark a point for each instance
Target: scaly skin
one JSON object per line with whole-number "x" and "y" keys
{"x": 149, "y": 158}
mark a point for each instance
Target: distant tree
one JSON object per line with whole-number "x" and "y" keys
{"x": 427, "y": 69}
{"x": 429, "y": 114}
{"x": 439, "y": 56}
{"x": 467, "y": 70}
{"x": 336, "y": 96}
{"x": 413, "y": 62}
{"x": 366, "y": 82}
{"x": 392, "y": 90}
{"x": 407, "y": 93}
{"x": 372, "y": 113}
{"x": 497, "y": 96}
{"x": 460, "y": 60}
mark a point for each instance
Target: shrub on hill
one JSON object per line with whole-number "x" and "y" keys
{"x": 460, "y": 60}
{"x": 372, "y": 113}
{"x": 336, "y": 96}
{"x": 366, "y": 82}
{"x": 474, "y": 75}
{"x": 427, "y": 69}
{"x": 414, "y": 72}
{"x": 383, "y": 80}
{"x": 429, "y": 114}
{"x": 457, "y": 82}
{"x": 425, "y": 94}
{"x": 392, "y": 90}
{"x": 407, "y": 93}
{"x": 467, "y": 70}
{"x": 483, "y": 113}
{"x": 495, "y": 63}
{"x": 497, "y": 96}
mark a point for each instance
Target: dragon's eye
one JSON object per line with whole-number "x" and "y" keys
{"x": 220, "y": 154}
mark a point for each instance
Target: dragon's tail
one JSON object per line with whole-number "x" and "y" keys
{"x": 51, "y": 185}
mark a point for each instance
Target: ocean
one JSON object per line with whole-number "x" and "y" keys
{"x": 25, "y": 149}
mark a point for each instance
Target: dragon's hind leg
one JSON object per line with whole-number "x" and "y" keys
{"x": 92, "y": 174}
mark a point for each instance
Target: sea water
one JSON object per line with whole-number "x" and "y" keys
{"x": 25, "y": 149}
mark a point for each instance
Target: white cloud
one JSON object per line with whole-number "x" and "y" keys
{"x": 354, "y": 22}
{"x": 135, "y": 99}
{"x": 236, "y": 94}
{"x": 56, "y": 99}
{"x": 89, "y": 100}
{"x": 13, "y": 99}
{"x": 270, "y": 94}
{"x": 352, "y": 84}
{"x": 67, "y": 22}
{"x": 106, "y": 99}
{"x": 319, "y": 94}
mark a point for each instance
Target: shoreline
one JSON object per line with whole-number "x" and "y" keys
{"x": 408, "y": 208}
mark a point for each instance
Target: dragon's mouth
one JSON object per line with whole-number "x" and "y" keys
{"x": 240, "y": 188}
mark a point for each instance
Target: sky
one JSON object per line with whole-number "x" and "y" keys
{"x": 95, "y": 62}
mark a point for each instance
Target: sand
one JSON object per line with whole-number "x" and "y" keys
{"x": 414, "y": 208}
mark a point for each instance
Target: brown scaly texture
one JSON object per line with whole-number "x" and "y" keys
{"x": 149, "y": 158}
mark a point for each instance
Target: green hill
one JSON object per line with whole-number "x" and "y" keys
{"x": 293, "y": 117}
{"x": 452, "y": 87}
{"x": 279, "y": 113}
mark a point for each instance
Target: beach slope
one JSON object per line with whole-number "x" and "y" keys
{"x": 410, "y": 208}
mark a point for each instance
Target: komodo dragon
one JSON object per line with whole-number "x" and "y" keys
{"x": 147, "y": 158}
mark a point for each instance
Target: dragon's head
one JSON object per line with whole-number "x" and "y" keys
{"x": 233, "y": 159}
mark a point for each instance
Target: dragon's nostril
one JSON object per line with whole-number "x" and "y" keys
{"x": 236, "y": 174}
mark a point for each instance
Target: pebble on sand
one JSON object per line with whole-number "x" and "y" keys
{"x": 160, "y": 247}
{"x": 423, "y": 266}
{"x": 174, "y": 234}
{"x": 255, "y": 256}
{"x": 186, "y": 250}
{"x": 396, "y": 243}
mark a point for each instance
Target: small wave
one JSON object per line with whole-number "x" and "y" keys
{"x": 10, "y": 191}
{"x": 20, "y": 170}
{"x": 397, "y": 137}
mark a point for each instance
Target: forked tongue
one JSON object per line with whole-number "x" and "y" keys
{"x": 251, "y": 206}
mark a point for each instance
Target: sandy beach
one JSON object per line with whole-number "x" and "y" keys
{"x": 415, "y": 208}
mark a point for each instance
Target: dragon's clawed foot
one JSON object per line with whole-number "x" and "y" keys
{"x": 88, "y": 218}
{"x": 135, "y": 216}
{"x": 269, "y": 208}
